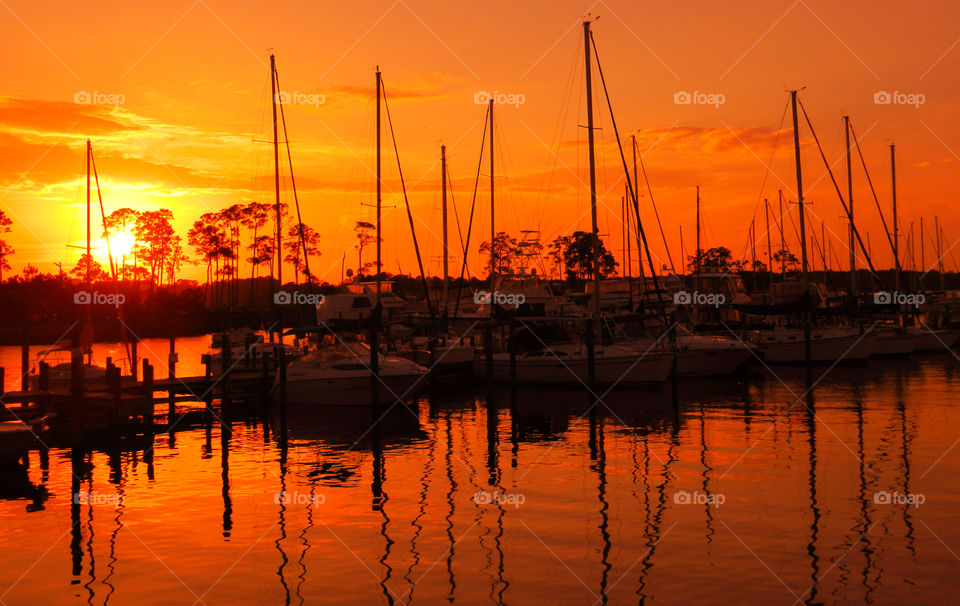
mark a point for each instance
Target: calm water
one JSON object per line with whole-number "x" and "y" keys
{"x": 737, "y": 495}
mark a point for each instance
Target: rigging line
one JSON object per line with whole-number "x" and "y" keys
{"x": 630, "y": 184}
{"x": 873, "y": 191}
{"x": 766, "y": 173}
{"x": 413, "y": 232}
{"x": 856, "y": 232}
{"x": 656, "y": 213}
{"x": 453, "y": 203}
{"x": 113, "y": 271}
{"x": 473, "y": 205}
{"x": 293, "y": 186}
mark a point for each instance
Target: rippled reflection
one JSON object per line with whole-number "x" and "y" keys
{"x": 764, "y": 488}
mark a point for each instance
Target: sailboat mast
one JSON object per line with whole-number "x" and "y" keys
{"x": 803, "y": 233}
{"x": 936, "y": 227}
{"x": 783, "y": 243}
{"x": 276, "y": 170}
{"x": 896, "y": 240}
{"x": 379, "y": 185}
{"x": 853, "y": 254}
{"x": 89, "y": 258}
{"x": 443, "y": 189}
{"x": 493, "y": 230}
{"x": 636, "y": 184}
{"x": 595, "y": 251}
{"x": 766, "y": 218}
{"x": 923, "y": 260}
{"x": 796, "y": 151}
{"x": 696, "y": 252}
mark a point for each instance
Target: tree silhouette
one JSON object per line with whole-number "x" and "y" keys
{"x": 574, "y": 253}
{"x": 366, "y": 234}
{"x": 505, "y": 250}
{"x": 5, "y": 249}
{"x": 301, "y": 236}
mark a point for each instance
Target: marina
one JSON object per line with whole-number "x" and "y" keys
{"x": 471, "y": 304}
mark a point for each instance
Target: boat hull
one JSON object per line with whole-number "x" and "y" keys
{"x": 825, "y": 350}
{"x": 937, "y": 340}
{"x": 894, "y": 345}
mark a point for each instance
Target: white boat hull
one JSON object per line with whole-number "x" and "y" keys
{"x": 823, "y": 348}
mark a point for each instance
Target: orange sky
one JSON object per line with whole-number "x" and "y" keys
{"x": 194, "y": 82}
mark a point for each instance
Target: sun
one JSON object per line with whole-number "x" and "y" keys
{"x": 121, "y": 245}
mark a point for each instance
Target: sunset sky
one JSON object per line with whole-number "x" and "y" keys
{"x": 194, "y": 84}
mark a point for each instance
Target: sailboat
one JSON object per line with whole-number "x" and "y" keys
{"x": 809, "y": 344}
{"x": 569, "y": 364}
{"x": 59, "y": 359}
{"x": 335, "y": 374}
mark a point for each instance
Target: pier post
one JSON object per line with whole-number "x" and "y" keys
{"x": 113, "y": 388}
{"x": 43, "y": 376}
{"x": 512, "y": 345}
{"x": 225, "y": 365}
{"x": 25, "y": 364}
{"x": 282, "y": 390}
{"x": 148, "y": 392}
{"x": 488, "y": 355}
{"x": 3, "y": 380}
{"x": 133, "y": 357}
{"x": 76, "y": 393}
{"x": 172, "y": 374}
{"x": 591, "y": 357}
